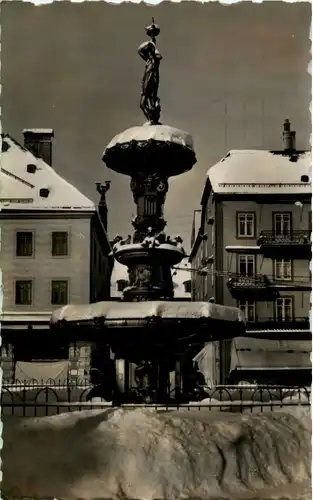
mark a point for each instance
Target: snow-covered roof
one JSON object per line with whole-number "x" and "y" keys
{"x": 20, "y": 189}
{"x": 44, "y": 131}
{"x": 261, "y": 172}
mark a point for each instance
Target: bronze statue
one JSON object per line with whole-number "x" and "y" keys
{"x": 150, "y": 102}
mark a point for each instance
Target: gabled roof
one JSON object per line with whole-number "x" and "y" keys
{"x": 20, "y": 189}
{"x": 261, "y": 172}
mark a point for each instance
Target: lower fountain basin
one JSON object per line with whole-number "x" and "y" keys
{"x": 149, "y": 329}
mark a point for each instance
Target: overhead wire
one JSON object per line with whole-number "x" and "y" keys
{"x": 226, "y": 274}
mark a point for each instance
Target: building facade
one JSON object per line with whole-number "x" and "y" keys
{"x": 252, "y": 249}
{"x": 54, "y": 251}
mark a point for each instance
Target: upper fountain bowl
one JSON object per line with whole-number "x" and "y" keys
{"x": 157, "y": 148}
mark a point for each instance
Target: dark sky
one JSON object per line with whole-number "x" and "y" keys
{"x": 230, "y": 75}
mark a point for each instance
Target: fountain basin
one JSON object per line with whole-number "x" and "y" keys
{"x": 136, "y": 253}
{"x": 153, "y": 328}
{"x": 156, "y": 148}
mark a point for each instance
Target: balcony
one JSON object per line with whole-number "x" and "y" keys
{"x": 297, "y": 323}
{"x": 294, "y": 243}
{"x": 280, "y": 329}
{"x": 258, "y": 284}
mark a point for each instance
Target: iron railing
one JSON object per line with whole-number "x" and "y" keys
{"x": 297, "y": 323}
{"x": 37, "y": 399}
{"x": 291, "y": 238}
{"x": 256, "y": 281}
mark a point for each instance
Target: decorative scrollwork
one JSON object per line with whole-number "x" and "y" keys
{"x": 149, "y": 183}
{"x": 141, "y": 276}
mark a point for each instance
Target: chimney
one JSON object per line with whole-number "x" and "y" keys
{"x": 39, "y": 142}
{"x": 289, "y": 137}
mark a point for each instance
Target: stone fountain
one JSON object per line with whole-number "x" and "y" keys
{"x": 147, "y": 326}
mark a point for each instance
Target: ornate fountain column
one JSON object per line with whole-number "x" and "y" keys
{"x": 150, "y": 154}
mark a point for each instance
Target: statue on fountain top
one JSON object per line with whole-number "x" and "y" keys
{"x": 149, "y": 101}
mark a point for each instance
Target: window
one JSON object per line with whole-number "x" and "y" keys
{"x": 246, "y": 225}
{"x": 282, "y": 223}
{"x": 248, "y": 309}
{"x": 284, "y": 308}
{"x": 24, "y": 244}
{"x": 246, "y": 265}
{"x": 59, "y": 292}
{"x": 60, "y": 244}
{"x": 23, "y": 292}
{"x": 283, "y": 269}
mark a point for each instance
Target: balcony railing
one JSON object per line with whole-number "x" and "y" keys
{"x": 257, "y": 284}
{"x": 291, "y": 238}
{"x": 241, "y": 281}
{"x": 296, "y": 323}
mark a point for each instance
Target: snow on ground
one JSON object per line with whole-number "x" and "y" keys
{"x": 142, "y": 454}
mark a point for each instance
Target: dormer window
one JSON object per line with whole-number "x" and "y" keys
{"x": 31, "y": 168}
{"x": 44, "y": 192}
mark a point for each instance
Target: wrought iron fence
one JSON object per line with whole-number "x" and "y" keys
{"x": 40, "y": 399}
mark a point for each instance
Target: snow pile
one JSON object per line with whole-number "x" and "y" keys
{"x": 142, "y": 454}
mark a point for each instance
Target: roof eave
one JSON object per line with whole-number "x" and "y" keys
{"x": 206, "y": 191}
